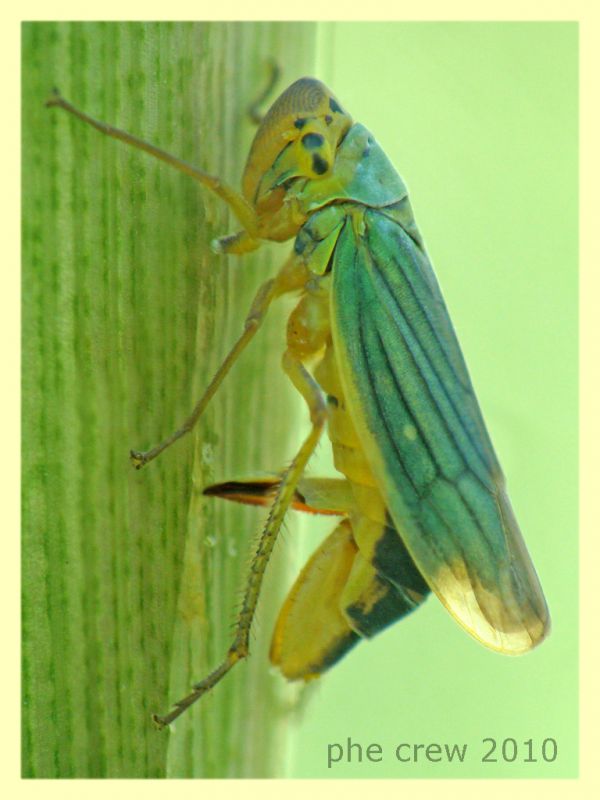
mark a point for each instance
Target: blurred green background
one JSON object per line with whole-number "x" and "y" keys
{"x": 481, "y": 121}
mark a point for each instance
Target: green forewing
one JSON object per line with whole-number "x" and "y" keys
{"x": 411, "y": 399}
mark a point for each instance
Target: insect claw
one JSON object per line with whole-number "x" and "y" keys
{"x": 138, "y": 459}
{"x": 55, "y": 98}
{"x": 159, "y": 722}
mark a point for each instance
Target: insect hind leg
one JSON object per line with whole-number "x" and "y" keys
{"x": 309, "y": 389}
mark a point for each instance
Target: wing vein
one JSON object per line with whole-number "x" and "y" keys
{"x": 473, "y": 430}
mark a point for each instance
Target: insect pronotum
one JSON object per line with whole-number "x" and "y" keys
{"x": 371, "y": 349}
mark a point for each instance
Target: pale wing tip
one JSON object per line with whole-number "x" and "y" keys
{"x": 501, "y": 619}
{"x": 531, "y": 636}
{"x": 518, "y": 639}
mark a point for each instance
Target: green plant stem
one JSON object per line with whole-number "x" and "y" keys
{"x": 131, "y": 579}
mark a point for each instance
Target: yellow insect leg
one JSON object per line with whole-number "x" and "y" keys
{"x": 309, "y": 389}
{"x": 252, "y": 323}
{"x": 242, "y": 209}
{"x": 291, "y": 276}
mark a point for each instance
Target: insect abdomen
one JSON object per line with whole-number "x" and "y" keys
{"x": 374, "y": 532}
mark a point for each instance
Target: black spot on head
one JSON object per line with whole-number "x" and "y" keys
{"x": 334, "y": 106}
{"x": 300, "y": 123}
{"x": 311, "y": 141}
{"x": 328, "y": 119}
{"x": 319, "y": 165}
{"x": 332, "y": 401}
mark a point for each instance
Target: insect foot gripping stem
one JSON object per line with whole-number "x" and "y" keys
{"x": 260, "y": 305}
{"x": 283, "y": 499}
{"x": 237, "y": 652}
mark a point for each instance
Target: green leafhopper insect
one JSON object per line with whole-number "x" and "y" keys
{"x": 371, "y": 349}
